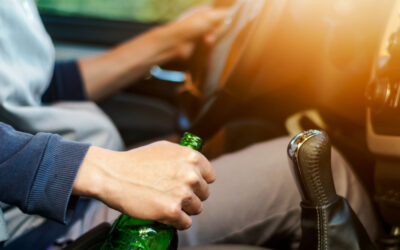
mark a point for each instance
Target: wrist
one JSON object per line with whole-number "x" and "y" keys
{"x": 91, "y": 177}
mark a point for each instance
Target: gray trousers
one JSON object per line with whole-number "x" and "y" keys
{"x": 254, "y": 201}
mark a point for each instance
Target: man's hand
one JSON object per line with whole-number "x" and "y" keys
{"x": 110, "y": 72}
{"x": 162, "y": 181}
{"x": 200, "y": 24}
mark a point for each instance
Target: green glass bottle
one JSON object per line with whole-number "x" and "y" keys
{"x": 133, "y": 234}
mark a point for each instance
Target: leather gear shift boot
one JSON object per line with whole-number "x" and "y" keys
{"x": 334, "y": 227}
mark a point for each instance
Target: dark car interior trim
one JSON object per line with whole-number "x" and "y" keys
{"x": 90, "y": 30}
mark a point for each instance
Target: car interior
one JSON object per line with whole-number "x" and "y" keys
{"x": 279, "y": 67}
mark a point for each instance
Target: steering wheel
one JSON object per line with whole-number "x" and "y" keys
{"x": 217, "y": 81}
{"x": 320, "y": 51}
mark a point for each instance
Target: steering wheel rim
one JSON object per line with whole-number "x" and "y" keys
{"x": 221, "y": 59}
{"x": 211, "y": 74}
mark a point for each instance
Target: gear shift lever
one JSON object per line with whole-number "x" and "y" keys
{"x": 327, "y": 220}
{"x": 310, "y": 154}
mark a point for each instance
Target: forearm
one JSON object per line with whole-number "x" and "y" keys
{"x": 37, "y": 172}
{"x": 106, "y": 74}
{"x": 114, "y": 70}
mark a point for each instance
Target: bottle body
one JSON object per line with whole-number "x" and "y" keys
{"x": 134, "y": 234}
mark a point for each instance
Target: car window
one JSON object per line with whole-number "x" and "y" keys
{"x": 122, "y": 10}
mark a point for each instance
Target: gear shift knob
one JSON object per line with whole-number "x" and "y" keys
{"x": 310, "y": 156}
{"x": 327, "y": 220}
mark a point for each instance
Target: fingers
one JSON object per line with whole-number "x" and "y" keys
{"x": 206, "y": 169}
{"x": 207, "y": 13}
{"x": 191, "y": 204}
{"x": 198, "y": 174}
{"x": 202, "y": 21}
{"x": 181, "y": 205}
{"x": 196, "y": 183}
{"x": 180, "y": 221}
{"x": 173, "y": 207}
{"x": 215, "y": 20}
{"x": 188, "y": 196}
{"x": 167, "y": 183}
{"x": 217, "y": 16}
{"x": 183, "y": 223}
{"x": 201, "y": 190}
{"x": 216, "y": 25}
{"x": 187, "y": 204}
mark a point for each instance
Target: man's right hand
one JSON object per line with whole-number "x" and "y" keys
{"x": 162, "y": 181}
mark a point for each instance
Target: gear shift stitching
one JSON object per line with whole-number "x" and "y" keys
{"x": 318, "y": 230}
{"x": 325, "y": 226}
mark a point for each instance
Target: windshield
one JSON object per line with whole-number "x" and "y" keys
{"x": 129, "y": 10}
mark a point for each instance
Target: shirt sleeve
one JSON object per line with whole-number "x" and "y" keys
{"x": 37, "y": 172}
{"x": 66, "y": 84}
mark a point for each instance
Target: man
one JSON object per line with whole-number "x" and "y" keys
{"x": 255, "y": 200}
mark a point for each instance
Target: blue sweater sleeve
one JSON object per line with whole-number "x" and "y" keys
{"x": 66, "y": 84}
{"x": 37, "y": 172}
